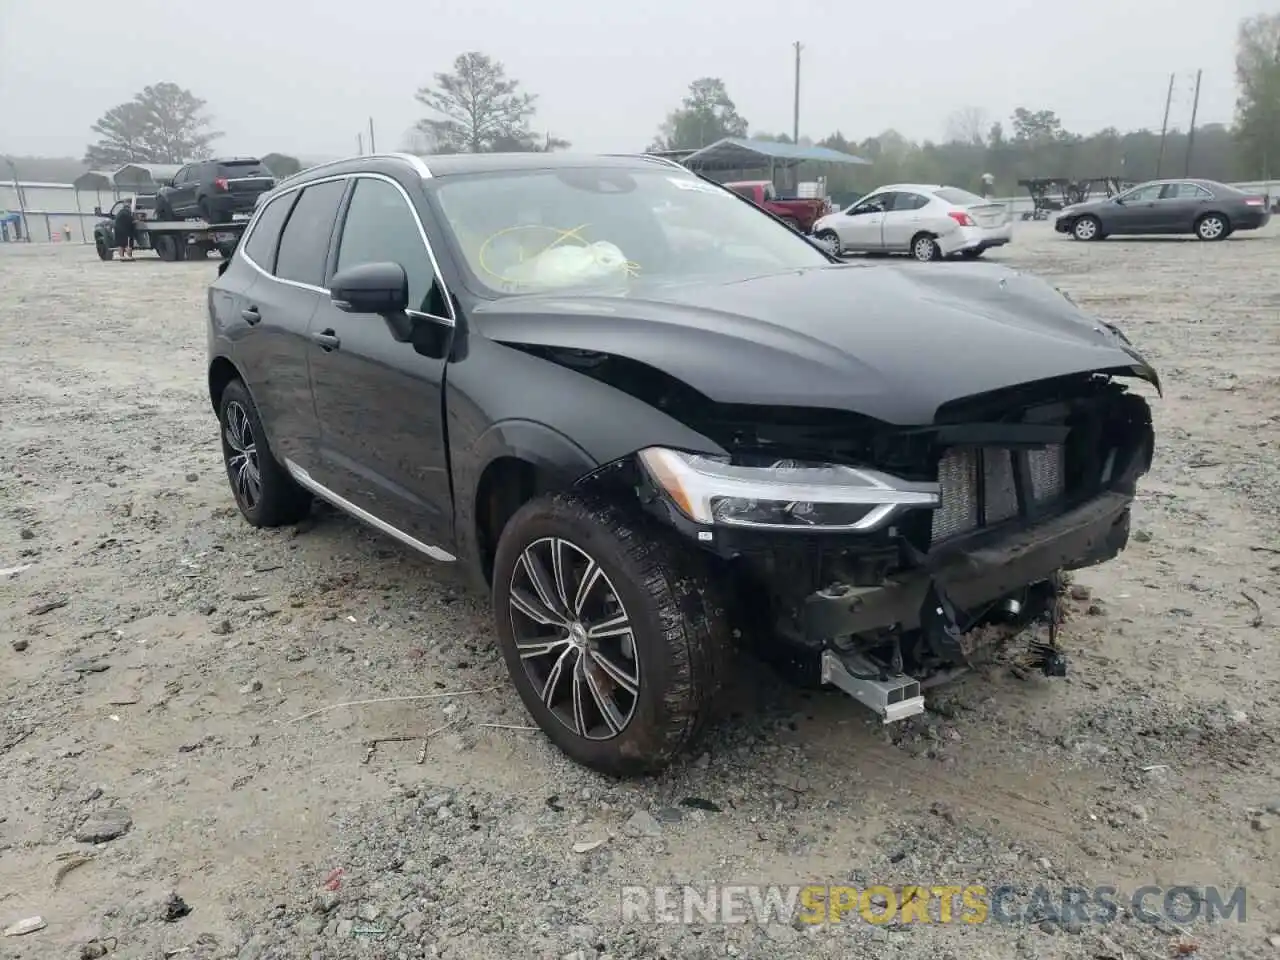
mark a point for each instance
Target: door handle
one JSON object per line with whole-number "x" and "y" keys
{"x": 327, "y": 340}
{"x": 251, "y": 316}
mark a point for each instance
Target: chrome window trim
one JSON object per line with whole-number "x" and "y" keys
{"x": 451, "y": 320}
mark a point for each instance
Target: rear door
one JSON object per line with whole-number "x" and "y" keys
{"x": 379, "y": 391}
{"x": 287, "y": 246}
{"x": 903, "y": 220}
{"x": 182, "y": 196}
{"x": 1179, "y": 206}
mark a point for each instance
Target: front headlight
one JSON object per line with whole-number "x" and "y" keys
{"x": 786, "y": 494}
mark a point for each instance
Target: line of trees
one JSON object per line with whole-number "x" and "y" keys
{"x": 477, "y": 108}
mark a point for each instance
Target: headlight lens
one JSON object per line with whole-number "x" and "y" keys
{"x": 786, "y": 494}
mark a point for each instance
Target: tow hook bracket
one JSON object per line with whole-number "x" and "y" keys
{"x": 941, "y": 626}
{"x": 891, "y": 696}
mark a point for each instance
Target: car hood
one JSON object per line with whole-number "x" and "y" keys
{"x": 894, "y": 342}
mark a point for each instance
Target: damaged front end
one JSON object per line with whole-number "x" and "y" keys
{"x": 879, "y": 558}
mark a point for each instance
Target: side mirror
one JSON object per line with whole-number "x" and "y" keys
{"x": 380, "y": 288}
{"x": 97, "y": 212}
{"x": 1120, "y": 200}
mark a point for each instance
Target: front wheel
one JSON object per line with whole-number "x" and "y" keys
{"x": 1086, "y": 228}
{"x": 831, "y": 239}
{"x": 1212, "y": 226}
{"x": 104, "y": 251}
{"x": 607, "y": 633}
{"x": 265, "y": 493}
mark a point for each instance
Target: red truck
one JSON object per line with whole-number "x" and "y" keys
{"x": 799, "y": 213}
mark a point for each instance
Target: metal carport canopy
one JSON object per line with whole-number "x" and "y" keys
{"x": 733, "y": 153}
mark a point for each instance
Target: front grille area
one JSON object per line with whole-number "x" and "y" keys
{"x": 978, "y": 486}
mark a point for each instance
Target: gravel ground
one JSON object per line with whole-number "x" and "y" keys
{"x": 160, "y": 659}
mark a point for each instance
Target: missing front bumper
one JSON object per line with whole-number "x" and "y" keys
{"x": 1090, "y": 534}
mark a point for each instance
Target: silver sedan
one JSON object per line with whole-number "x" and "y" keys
{"x": 929, "y": 222}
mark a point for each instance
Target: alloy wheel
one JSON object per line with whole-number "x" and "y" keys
{"x": 1211, "y": 228}
{"x": 925, "y": 249}
{"x": 1085, "y": 229}
{"x": 242, "y": 456}
{"x": 574, "y": 638}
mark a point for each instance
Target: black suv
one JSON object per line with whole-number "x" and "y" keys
{"x": 651, "y": 422}
{"x": 216, "y": 191}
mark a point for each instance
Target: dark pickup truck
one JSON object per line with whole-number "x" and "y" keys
{"x": 800, "y": 213}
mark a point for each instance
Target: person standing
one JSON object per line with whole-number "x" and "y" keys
{"x": 124, "y": 230}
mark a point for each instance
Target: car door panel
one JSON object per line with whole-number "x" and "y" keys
{"x": 379, "y": 392}
{"x": 901, "y": 222}
{"x": 1180, "y": 206}
{"x": 861, "y": 229}
{"x": 275, "y": 316}
{"x": 1138, "y": 213}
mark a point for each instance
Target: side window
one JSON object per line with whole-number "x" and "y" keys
{"x": 182, "y": 176}
{"x": 304, "y": 244}
{"x": 910, "y": 201}
{"x": 380, "y": 228}
{"x": 1185, "y": 191}
{"x": 261, "y": 245}
{"x": 890, "y": 201}
{"x": 1145, "y": 194}
{"x": 877, "y": 202}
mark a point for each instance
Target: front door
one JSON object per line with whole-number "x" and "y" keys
{"x": 862, "y": 223}
{"x": 378, "y": 382}
{"x": 182, "y": 195}
{"x": 1140, "y": 211}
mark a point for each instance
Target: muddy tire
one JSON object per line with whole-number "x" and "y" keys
{"x": 104, "y": 251}
{"x": 265, "y": 493}
{"x": 608, "y": 633}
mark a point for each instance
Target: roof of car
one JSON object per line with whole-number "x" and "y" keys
{"x": 910, "y": 186}
{"x": 448, "y": 165}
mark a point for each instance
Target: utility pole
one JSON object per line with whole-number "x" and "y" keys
{"x": 1164, "y": 127}
{"x": 1191, "y": 134}
{"x": 795, "y": 114}
{"x": 373, "y": 148}
{"x": 360, "y": 144}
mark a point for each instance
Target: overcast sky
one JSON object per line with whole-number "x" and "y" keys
{"x": 303, "y": 76}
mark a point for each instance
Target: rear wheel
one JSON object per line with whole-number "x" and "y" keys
{"x": 607, "y": 633}
{"x": 1212, "y": 226}
{"x": 163, "y": 210}
{"x": 207, "y": 212}
{"x": 170, "y": 247}
{"x": 1087, "y": 228}
{"x": 265, "y": 493}
{"x": 924, "y": 248}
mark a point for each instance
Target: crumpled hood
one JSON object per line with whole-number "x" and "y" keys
{"x": 894, "y": 341}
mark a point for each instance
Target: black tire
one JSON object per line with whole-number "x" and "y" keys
{"x": 672, "y": 646}
{"x": 1213, "y": 226}
{"x": 207, "y": 212}
{"x": 169, "y": 247}
{"x": 830, "y": 238}
{"x": 276, "y": 500}
{"x": 925, "y": 248}
{"x": 793, "y": 224}
{"x": 104, "y": 252}
{"x": 198, "y": 251}
{"x": 163, "y": 210}
{"x": 1086, "y": 229}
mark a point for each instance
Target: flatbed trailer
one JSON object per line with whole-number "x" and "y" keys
{"x": 172, "y": 239}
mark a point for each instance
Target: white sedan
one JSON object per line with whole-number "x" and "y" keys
{"x": 929, "y": 222}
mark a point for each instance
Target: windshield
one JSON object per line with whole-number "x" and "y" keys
{"x": 961, "y": 198}
{"x": 528, "y": 231}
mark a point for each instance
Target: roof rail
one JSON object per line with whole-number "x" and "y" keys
{"x": 419, "y": 165}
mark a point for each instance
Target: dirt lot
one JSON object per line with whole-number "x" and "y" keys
{"x": 160, "y": 659}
